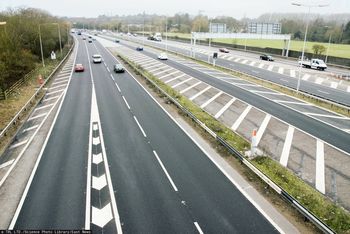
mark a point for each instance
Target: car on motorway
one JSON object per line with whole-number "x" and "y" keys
{"x": 84, "y": 38}
{"x": 90, "y": 41}
{"x": 118, "y": 68}
{"x": 96, "y": 58}
{"x": 266, "y": 57}
{"x": 79, "y": 67}
{"x": 163, "y": 56}
{"x": 224, "y": 50}
{"x": 139, "y": 48}
{"x": 90, "y": 36}
{"x": 116, "y": 41}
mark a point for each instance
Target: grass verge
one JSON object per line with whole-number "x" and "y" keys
{"x": 14, "y": 103}
{"x": 336, "y": 50}
{"x": 334, "y": 216}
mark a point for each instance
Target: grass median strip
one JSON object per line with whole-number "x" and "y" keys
{"x": 333, "y": 215}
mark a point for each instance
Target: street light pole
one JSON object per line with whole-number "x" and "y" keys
{"x": 59, "y": 37}
{"x": 143, "y": 30}
{"x": 41, "y": 47}
{"x": 166, "y": 34}
{"x": 307, "y": 26}
{"x": 329, "y": 44}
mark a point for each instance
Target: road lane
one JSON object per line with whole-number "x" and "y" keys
{"x": 198, "y": 180}
{"x": 56, "y": 198}
{"x": 329, "y": 93}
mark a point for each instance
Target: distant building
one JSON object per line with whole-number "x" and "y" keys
{"x": 264, "y": 28}
{"x": 217, "y": 28}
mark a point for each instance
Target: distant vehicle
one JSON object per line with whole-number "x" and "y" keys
{"x": 318, "y": 64}
{"x": 139, "y": 48}
{"x": 118, "y": 68}
{"x": 90, "y": 36}
{"x": 79, "y": 33}
{"x": 266, "y": 57}
{"x": 157, "y": 37}
{"x": 135, "y": 35}
{"x": 129, "y": 34}
{"x": 94, "y": 39}
{"x": 79, "y": 67}
{"x": 96, "y": 58}
{"x": 116, "y": 41}
{"x": 224, "y": 50}
{"x": 163, "y": 56}
{"x": 90, "y": 41}
{"x": 150, "y": 38}
{"x": 96, "y": 34}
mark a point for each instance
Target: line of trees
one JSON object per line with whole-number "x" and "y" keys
{"x": 19, "y": 41}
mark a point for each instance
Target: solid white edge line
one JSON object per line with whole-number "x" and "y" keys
{"x": 126, "y": 103}
{"x": 199, "y": 229}
{"x": 24, "y": 195}
{"x": 104, "y": 155}
{"x": 207, "y": 154}
{"x": 165, "y": 171}
{"x": 138, "y": 124}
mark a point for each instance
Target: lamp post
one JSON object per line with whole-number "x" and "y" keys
{"x": 307, "y": 26}
{"x": 166, "y": 34}
{"x": 329, "y": 44}
{"x": 143, "y": 30}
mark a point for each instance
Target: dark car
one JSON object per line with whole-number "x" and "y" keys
{"x": 90, "y": 40}
{"x": 266, "y": 57}
{"x": 116, "y": 41}
{"x": 119, "y": 68}
{"x": 150, "y": 38}
{"x": 223, "y": 50}
{"x": 139, "y": 48}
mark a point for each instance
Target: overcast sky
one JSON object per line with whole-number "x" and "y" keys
{"x": 212, "y": 8}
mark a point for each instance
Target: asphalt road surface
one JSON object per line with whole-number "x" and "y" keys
{"x": 162, "y": 181}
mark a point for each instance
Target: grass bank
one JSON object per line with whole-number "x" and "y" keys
{"x": 336, "y": 50}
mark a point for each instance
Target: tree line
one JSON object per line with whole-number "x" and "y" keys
{"x": 321, "y": 28}
{"x": 20, "y": 44}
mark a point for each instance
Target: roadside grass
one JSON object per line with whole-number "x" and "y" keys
{"x": 336, "y": 50}
{"x": 325, "y": 209}
{"x": 333, "y": 215}
{"x": 14, "y": 103}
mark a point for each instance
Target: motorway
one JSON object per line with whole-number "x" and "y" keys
{"x": 327, "y": 133}
{"x": 115, "y": 160}
{"x": 318, "y": 90}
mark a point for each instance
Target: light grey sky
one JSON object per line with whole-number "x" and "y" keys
{"x": 234, "y": 8}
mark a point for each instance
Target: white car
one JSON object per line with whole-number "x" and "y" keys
{"x": 96, "y": 58}
{"x": 163, "y": 56}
